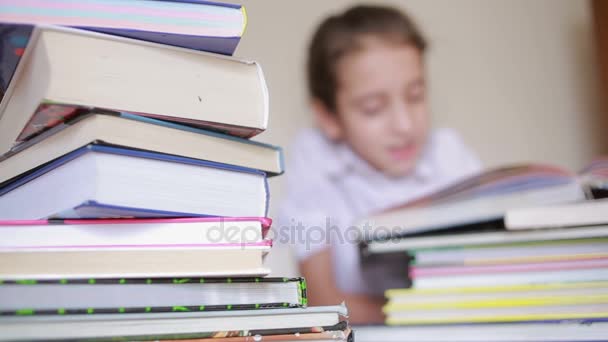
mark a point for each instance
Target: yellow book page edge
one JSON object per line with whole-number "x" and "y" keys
{"x": 499, "y": 288}
{"x": 498, "y": 303}
{"x": 497, "y": 319}
{"x": 245, "y": 20}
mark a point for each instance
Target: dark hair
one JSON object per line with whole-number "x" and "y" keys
{"x": 341, "y": 34}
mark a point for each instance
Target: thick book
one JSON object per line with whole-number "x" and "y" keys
{"x": 512, "y": 253}
{"x": 564, "y": 215}
{"x": 178, "y": 325}
{"x": 479, "y": 200}
{"x": 152, "y": 135}
{"x": 162, "y": 261}
{"x": 449, "y": 295}
{"x": 196, "y": 24}
{"x": 518, "y": 278}
{"x": 148, "y": 295}
{"x": 576, "y": 330}
{"x": 98, "y": 181}
{"x": 481, "y": 237}
{"x": 499, "y": 314}
{"x": 198, "y": 88}
{"x": 138, "y": 232}
{"x": 419, "y": 272}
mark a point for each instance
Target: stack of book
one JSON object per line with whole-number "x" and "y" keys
{"x": 133, "y": 203}
{"x": 515, "y": 254}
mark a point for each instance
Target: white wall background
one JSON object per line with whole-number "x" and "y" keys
{"x": 517, "y": 78}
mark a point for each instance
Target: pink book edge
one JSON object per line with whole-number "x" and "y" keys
{"x": 546, "y": 266}
{"x": 264, "y": 243}
{"x": 265, "y": 221}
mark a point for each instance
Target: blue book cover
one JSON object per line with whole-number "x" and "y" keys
{"x": 92, "y": 209}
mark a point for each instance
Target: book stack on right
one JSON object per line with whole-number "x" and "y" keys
{"x": 133, "y": 203}
{"x": 513, "y": 254}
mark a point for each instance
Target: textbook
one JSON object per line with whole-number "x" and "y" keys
{"x": 133, "y": 232}
{"x": 254, "y": 324}
{"x": 196, "y": 24}
{"x": 482, "y": 237}
{"x": 499, "y": 314}
{"x": 565, "y": 215}
{"x": 82, "y": 68}
{"x": 161, "y": 261}
{"x": 148, "y": 295}
{"x": 99, "y": 181}
{"x": 599, "y": 273}
{"x": 483, "y": 198}
{"x": 152, "y": 135}
{"x": 448, "y": 296}
{"x": 512, "y": 253}
{"x": 418, "y": 272}
{"x": 577, "y": 330}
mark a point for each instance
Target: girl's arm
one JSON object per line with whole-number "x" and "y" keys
{"x": 322, "y": 290}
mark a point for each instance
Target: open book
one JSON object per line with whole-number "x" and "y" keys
{"x": 486, "y": 197}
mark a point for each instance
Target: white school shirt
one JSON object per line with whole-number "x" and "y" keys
{"x": 330, "y": 188}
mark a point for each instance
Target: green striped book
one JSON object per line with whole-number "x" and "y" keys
{"x": 148, "y": 295}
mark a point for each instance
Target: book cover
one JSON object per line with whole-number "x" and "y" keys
{"x": 113, "y": 233}
{"x": 437, "y": 271}
{"x": 97, "y": 285}
{"x": 200, "y": 100}
{"x": 50, "y": 115}
{"x": 94, "y": 209}
{"x": 201, "y": 25}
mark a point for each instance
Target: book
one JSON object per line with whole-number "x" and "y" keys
{"x": 473, "y": 238}
{"x": 138, "y": 232}
{"x": 483, "y": 198}
{"x": 583, "y": 330}
{"x": 202, "y": 25}
{"x": 72, "y": 262}
{"x": 153, "y": 135}
{"x": 418, "y": 272}
{"x": 499, "y": 314}
{"x": 49, "y": 115}
{"x": 148, "y": 295}
{"x": 565, "y": 215}
{"x": 512, "y": 253}
{"x": 98, "y": 181}
{"x": 58, "y": 61}
{"x": 583, "y": 274}
{"x": 339, "y": 332}
{"x": 521, "y": 301}
{"x": 449, "y": 295}
{"x": 176, "y": 325}
{"x": 582, "y": 260}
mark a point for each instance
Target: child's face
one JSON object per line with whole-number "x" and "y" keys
{"x": 381, "y": 104}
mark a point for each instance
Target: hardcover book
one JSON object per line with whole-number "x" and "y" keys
{"x": 180, "y": 325}
{"x": 135, "y": 232}
{"x": 480, "y": 202}
{"x": 57, "y": 62}
{"x": 153, "y": 135}
{"x": 148, "y": 295}
{"x": 99, "y": 181}
{"x": 164, "y": 261}
{"x": 196, "y": 24}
